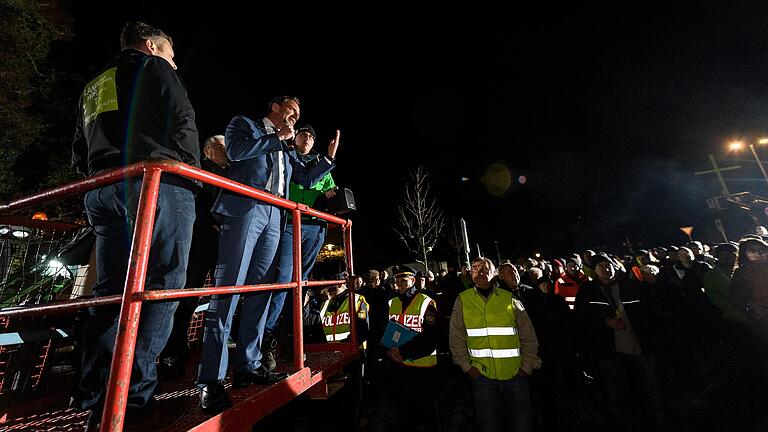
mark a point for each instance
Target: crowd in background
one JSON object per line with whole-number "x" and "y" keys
{"x": 627, "y": 329}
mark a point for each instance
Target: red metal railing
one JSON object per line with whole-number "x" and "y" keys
{"x": 134, "y": 294}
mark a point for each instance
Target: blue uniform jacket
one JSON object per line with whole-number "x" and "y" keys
{"x": 249, "y": 149}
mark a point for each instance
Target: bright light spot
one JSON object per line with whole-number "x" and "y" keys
{"x": 4, "y": 230}
{"x": 497, "y": 179}
{"x": 40, "y": 216}
{"x": 329, "y": 247}
{"x": 735, "y": 145}
{"x": 56, "y": 268}
{"x": 762, "y": 141}
{"x": 537, "y": 255}
{"x": 522, "y": 179}
{"x": 465, "y": 179}
{"x": 20, "y": 234}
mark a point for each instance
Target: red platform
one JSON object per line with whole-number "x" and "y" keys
{"x": 177, "y": 403}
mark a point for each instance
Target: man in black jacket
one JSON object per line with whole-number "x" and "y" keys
{"x": 135, "y": 109}
{"x": 614, "y": 326}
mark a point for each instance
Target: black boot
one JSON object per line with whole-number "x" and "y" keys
{"x": 269, "y": 349}
{"x": 214, "y": 398}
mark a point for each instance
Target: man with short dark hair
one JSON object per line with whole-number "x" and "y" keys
{"x": 134, "y": 110}
{"x": 248, "y": 242}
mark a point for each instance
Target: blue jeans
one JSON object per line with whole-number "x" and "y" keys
{"x": 112, "y": 212}
{"x": 247, "y": 248}
{"x": 312, "y": 239}
{"x": 502, "y": 405}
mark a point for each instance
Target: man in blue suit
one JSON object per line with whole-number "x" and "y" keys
{"x": 248, "y": 241}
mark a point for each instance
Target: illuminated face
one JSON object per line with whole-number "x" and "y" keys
{"x": 287, "y": 111}
{"x": 304, "y": 142}
{"x": 216, "y": 152}
{"x": 572, "y": 267}
{"x": 605, "y": 271}
{"x": 404, "y": 283}
{"x": 482, "y": 273}
{"x": 509, "y": 275}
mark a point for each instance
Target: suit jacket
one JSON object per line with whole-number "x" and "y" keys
{"x": 249, "y": 149}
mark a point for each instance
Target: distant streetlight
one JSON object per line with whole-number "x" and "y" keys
{"x": 738, "y": 145}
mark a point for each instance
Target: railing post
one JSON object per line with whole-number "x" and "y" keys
{"x": 298, "y": 298}
{"x": 347, "y": 231}
{"x": 130, "y": 309}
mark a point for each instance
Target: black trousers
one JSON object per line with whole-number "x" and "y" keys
{"x": 413, "y": 391}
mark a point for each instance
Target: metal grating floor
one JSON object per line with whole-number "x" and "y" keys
{"x": 177, "y": 402}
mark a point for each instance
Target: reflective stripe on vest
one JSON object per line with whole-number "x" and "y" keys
{"x": 493, "y": 342}
{"x": 336, "y": 325}
{"x": 338, "y": 337}
{"x": 492, "y": 331}
{"x": 413, "y": 318}
{"x": 495, "y": 353}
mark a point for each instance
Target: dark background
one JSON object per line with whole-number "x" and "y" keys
{"x": 607, "y": 112}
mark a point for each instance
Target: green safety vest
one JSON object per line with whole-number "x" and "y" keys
{"x": 413, "y": 317}
{"x": 336, "y": 325}
{"x": 492, "y": 338}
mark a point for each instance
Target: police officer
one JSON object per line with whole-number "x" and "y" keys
{"x": 336, "y": 317}
{"x": 413, "y": 375}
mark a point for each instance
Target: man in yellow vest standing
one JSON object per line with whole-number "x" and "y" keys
{"x": 413, "y": 378}
{"x": 492, "y": 340}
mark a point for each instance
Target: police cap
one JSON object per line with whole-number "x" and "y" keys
{"x": 306, "y": 128}
{"x": 403, "y": 271}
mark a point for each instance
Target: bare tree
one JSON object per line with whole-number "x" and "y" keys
{"x": 421, "y": 221}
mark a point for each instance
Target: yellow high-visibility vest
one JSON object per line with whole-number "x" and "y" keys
{"x": 336, "y": 325}
{"x": 492, "y": 338}
{"x": 413, "y": 317}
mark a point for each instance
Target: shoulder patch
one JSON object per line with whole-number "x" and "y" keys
{"x": 429, "y": 317}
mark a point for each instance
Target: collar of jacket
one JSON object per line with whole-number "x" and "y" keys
{"x": 308, "y": 158}
{"x": 494, "y": 285}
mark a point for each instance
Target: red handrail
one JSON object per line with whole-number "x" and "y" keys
{"x": 134, "y": 294}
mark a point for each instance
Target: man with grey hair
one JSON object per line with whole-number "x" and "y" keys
{"x": 496, "y": 349}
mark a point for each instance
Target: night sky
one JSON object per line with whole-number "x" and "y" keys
{"x": 606, "y": 112}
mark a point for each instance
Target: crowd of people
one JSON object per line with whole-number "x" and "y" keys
{"x": 597, "y": 321}
{"x": 528, "y": 334}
